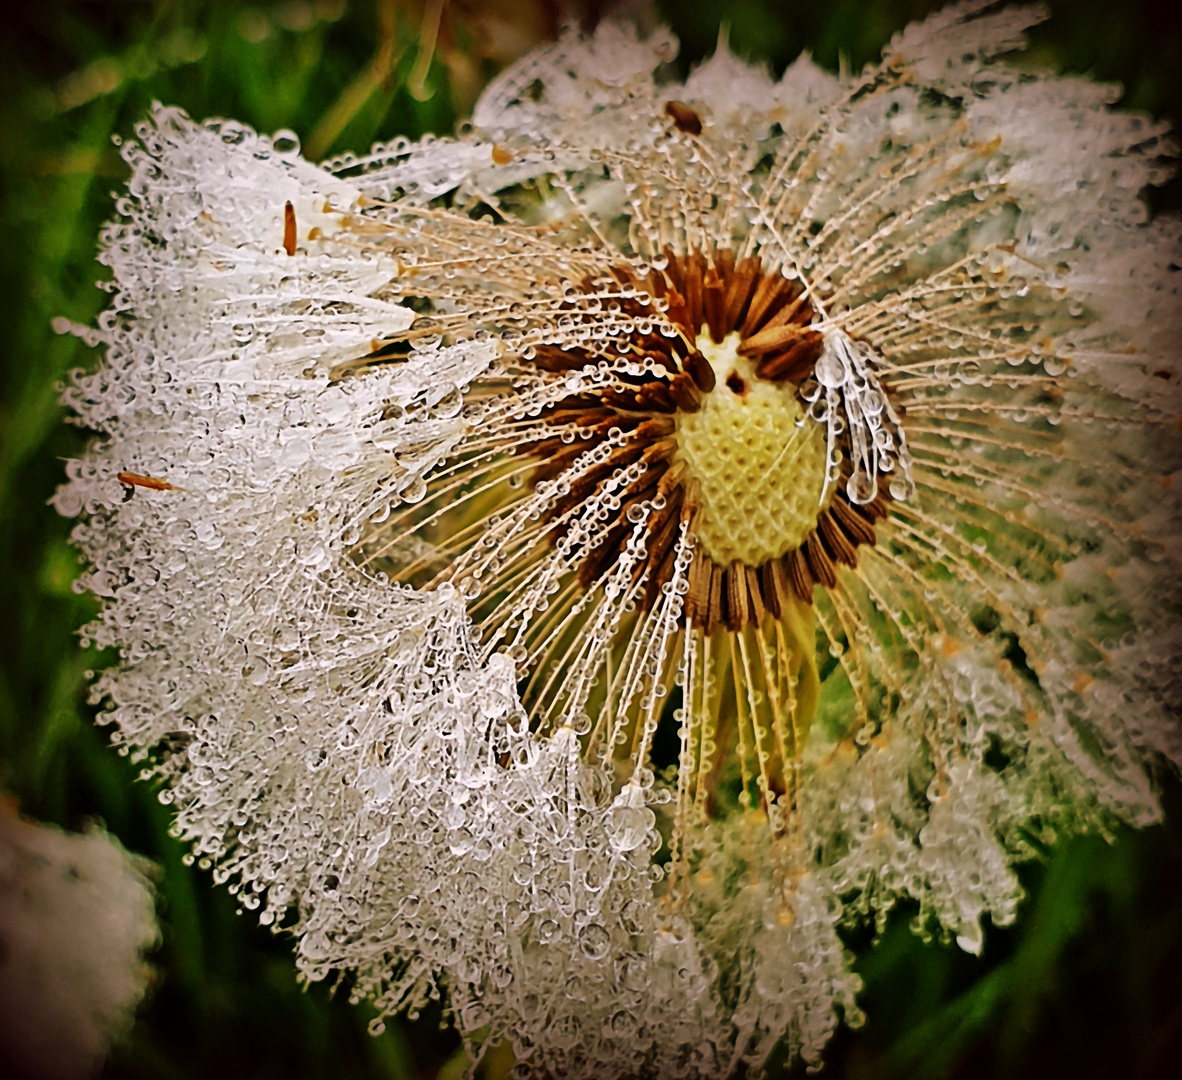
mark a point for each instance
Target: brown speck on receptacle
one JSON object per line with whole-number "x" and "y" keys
{"x": 685, "y": 118}
{"x": 735, "y": 384}
{"x": 289, "y": 229}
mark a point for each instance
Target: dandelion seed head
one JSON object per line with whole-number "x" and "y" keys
{"x": 607, "y": 552}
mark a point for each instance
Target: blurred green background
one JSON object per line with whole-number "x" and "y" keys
{"x": 1089, "y": 982}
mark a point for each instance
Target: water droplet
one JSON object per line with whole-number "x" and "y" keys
{"x": 286, "y": 143}
{"x": 628, "y": 820}
{"x": 415, "y": 491}
{"x": 595, "y": 941}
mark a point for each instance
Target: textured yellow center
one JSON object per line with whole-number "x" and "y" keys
{"x": 758, "y": 458}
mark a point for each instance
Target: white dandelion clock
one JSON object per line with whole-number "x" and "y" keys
{"x": 77, "y": 916}
{"x": 577, "y": 565}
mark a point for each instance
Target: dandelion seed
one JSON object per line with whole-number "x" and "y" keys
{"x": 614, "y": 547}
